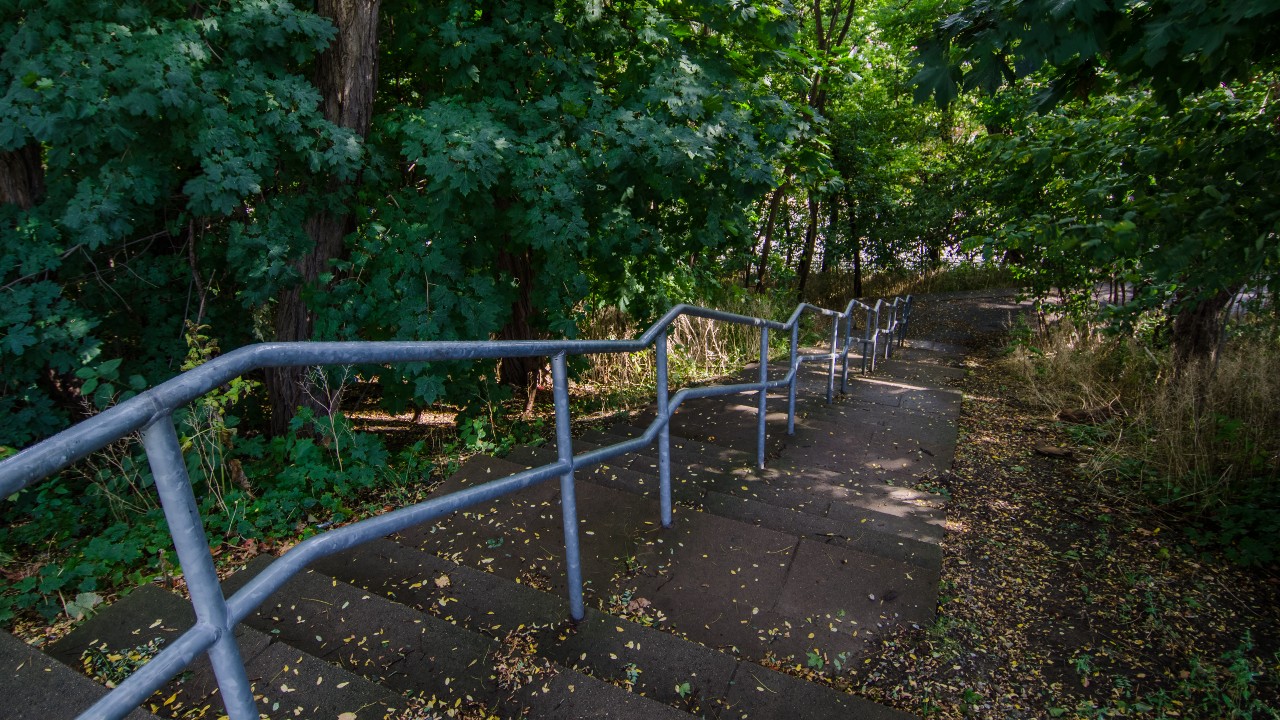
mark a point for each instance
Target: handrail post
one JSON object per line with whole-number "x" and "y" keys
{"x": 891, "y": 328}
{"x": 764, "y": 396}
{"x": 831, "y": 372}
{"x": 875, "y": 338}
{"x": 906, "y": 320}
{"x": 795, "y": 374}
{"x": 848, "y": 342}
{"x": 173, "y": 485}
{"x": 888, "y": 345}
{"x": 568, "y": 497}
{"x": 867, "y": 342}
{"x": 664, "y": 435}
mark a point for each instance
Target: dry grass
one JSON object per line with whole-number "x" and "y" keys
{"x": 699, "y": 349}
{"x": 1202, "y": 440}
{"x": 834, "y": 289}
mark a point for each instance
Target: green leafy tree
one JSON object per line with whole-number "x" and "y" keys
{"x": 413, "y": 171}
{"x": 1178, "y": 47}
{"x": 155, "y": 159}
{"x": 536, "y": 158}
{"x": 1180, "y": 206}
{"x": 1159, "y": 173}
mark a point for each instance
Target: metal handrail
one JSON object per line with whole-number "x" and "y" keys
{"x": 151, "y": 412}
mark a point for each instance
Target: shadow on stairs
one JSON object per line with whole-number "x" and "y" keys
{"x": 796, "y": 567}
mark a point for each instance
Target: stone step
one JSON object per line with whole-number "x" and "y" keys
{"x": 618, "y": 474}
{"x": 878, "y": 470}
{"x": 690, "y": 452}
{"x": 37, "y": 687}
{"x": 521, "y": 536}
{"x": 622, "y": 650}
{"x": 850, "y": 507}
{"x": 758, "y": 592}
{"x": 876, "y": 440}
{"x": 726, "y": 495}
{"x": 721, "y": 582}
{"x": 418, "y": 654}
{"x": 287, "y": 682}
{"x": 875, "y": 538}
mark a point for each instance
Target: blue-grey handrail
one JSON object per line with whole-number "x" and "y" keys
{"x": 216, "y": 615}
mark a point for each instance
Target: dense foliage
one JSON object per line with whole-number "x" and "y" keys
{"x": 521, "y": 158}
{"x": 1175, "y": 205}
{"x": 1155, "y": 163}
{"x": 175, "y": 150}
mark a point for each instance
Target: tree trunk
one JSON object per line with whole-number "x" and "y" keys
{"x": 774, "y": 202}
{"x": 806, "y": 256}
{"x": 855, "y": 246}
{"x": 786, "y": 236}
{"x": 829, "y": 245}
{"x": 1196, "y": 330}
{"x": 346, "y": 75}
{"x": 520, "y": 372}
{"x": 22, "y": 177}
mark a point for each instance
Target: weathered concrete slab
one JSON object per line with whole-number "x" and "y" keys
{"x": 916, "y": 522}
{"x": 416, "y": 653}
{"x": 611, "y": 648}
{"x": 605, "y": 645}
{"x": 277, "y": 672}
{"x": 821, "y": 528}
{"x": 34, "y": 686}
{"x": 522, "y": 536}
{"x": 619, "y": 474}
{"x": 683, "y": 450}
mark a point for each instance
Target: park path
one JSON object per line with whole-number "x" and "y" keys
{"x": 767, "y": 586}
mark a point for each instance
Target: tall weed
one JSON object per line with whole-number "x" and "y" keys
{"x": 834, "y": 289}
{"x": 699, "y": 349}
{"x": 1204, "y": 444}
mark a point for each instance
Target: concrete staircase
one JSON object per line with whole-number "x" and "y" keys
{"x": 765, "y": 576}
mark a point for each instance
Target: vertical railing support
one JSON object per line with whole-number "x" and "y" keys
{"x": 664, "y": 435}
{"x": 848, "y": 341}
{"x": 906, "y": 320}
{"x": 173, "y": 485}
{"x": 831, "y": 371}
{"x": 868, "y": 343}
{"x": 763, "y": 412}
{"x": 568, "y": 496}
{"x": 888, "y": 345}
{"x": 795, "y": 375}
{"x": 890, "y": 328}
{"x": 875, "y": 336}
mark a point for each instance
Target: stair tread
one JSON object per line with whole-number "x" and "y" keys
{"x": 869, "y": 502}
{"x": 623, "y": 546}
{"x": 417, "y": 653}
{"x": 731, "y": 584}
{"x": 858, "y": 535}
{"x": 37, "y": 687}
{"x": 278, "y": 673}
{"x": 618, "y": 473}
{"x": 610, "y": 647}
{"x": 522, "y": 534}
{"x": 697, "y": 488}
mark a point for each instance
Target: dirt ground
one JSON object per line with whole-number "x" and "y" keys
{"x": 1059, "y": 600}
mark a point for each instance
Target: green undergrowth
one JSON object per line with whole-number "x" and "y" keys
{"x": 98, "y": 528}
{"x": 1201, "y": 445}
